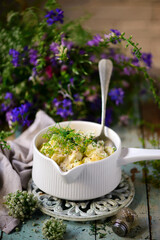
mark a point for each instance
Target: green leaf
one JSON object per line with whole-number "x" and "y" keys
{"x": 13, "y": 18}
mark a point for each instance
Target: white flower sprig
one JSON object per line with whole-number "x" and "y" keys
{"x": 53, "y": 229}
{"x": 21, "y": 204}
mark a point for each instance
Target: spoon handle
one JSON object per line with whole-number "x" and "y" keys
{"x": 105, "y": 70}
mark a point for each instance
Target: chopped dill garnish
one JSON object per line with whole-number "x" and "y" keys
{"x": 66, "y": 138}
{"x": 114, "y": 149}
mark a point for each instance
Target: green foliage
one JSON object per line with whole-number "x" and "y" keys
{"x": 51, "y": 4}
{"x": 3, "y": 141}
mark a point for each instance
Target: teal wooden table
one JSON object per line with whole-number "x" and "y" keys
{"x": 146, "y": 204}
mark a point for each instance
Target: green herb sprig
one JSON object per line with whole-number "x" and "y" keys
{"x": 68, "y": 138}
{"x": 3, "y": 141}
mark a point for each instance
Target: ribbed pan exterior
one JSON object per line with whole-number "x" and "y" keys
{"x": 85, "y": 182}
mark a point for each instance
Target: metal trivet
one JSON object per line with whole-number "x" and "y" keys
{"x": 88, "y": 210}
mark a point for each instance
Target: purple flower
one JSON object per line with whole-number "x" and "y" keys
{"x": 128, "y": 71}
{"x": 64, "y": 108}
{"x": 117, "y": 95}
{"x": 82, "y": 51}
{"x": 116, "y": 32}
{"x": 9, "y": 118}
{"x": 33, "y": 55}
{"x": 55, "y": 102}
{"x": 67, "y": 44}
{"x": 71, "y": 81}
{"x": 77, "y": 98}
{"x": 8, "y": 98}
{"x": 15, "y": 57}
{"x": 54, "y": 16}
{"x": 119, "y": 58}
{"x": 92, "y": 58}
{"x": 54, "y": 47}
{"x": 95, "y": 41}
{"x": 147, "y": 59}
{"x": 19, "y": 114}
{"x": 25, "y": 49}
{"x": 112, "y": 34}
{"x": 53, "y": 62}
{"x": 4, "y": 107}
{"x": 135, "y": 62}
{"x": 104, "y": 56}
{"x": 34, "y": 71}
{"x": 8, "y": 95}
{"x": 66, "y": 103}
{"x": 65, "y": 112}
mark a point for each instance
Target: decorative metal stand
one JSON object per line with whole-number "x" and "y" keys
{"x": 89, "y": 210}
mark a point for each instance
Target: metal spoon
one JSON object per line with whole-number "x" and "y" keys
{"x": 105, "y": 67}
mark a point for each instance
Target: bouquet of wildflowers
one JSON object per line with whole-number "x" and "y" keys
{"x": 52, "y": 65}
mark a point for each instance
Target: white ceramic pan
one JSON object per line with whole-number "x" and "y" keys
{"x": 89, "y": 180}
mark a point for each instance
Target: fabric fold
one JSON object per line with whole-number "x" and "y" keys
{"x": 16, "y": 166}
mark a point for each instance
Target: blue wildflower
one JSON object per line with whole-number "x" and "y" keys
{"x": 112, "y": 34}
{"x": 117, "y": 95}
{"x": 64, "y": 108}
{"x": 54, "y": 47}
{"x": 71, "y": 81}
{"x": 8, "y": 102}
{"x": 8, "y": 95}
{"x": 55, "y": 102}
{"x": 119, "y": 58}
{"x": 15, "y": 57}
{"x": 95, "y": 41}
{"x": 135, "y": 62}
{"x": 66, "y": 102}
{"x": 33, "y": 55}
{"x": 92, "y": 58}
{"x": 103, "y": 56}
{"x": 34, "y": 71}
{"x": 67, "y": 44}
{"x": 128, "y": 71}
{"x": 116, "y": 32}
{"x": 65, "y": 112}
{"x": 54, "y": 16}
{"x": 20, "y": 114}
{"x": 4, "y": 107}
{"x": 53, "y": 62}
{"x": 82, "y": 51}
{"x": 147, "y": 59}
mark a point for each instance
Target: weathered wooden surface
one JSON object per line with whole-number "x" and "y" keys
{"x": 146, "y": 204}
{"x": 151, "y": 114}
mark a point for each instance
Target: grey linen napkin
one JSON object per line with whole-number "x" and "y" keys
{"x": 16, "y": 166}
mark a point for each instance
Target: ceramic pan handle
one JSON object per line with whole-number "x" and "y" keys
{"x": 130, "y": 155}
